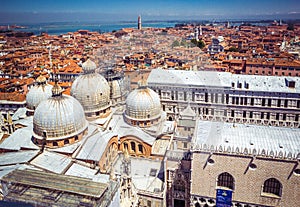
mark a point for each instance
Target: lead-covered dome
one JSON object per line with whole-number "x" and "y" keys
{"x": 92, "y": 91}
{"x": 143, "y": 106}
{"x": 40, "y": 92}
{"x": 60, "y": 120}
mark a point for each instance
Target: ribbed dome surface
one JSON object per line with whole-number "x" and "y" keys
{"x": 92, "y": 91}
{"x": 143, "y": 104}
{"x": 37, "y": 94}
{"x": 60, "y": 117}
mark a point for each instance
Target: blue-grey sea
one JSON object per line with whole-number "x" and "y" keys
{"x": 63, "y": 28}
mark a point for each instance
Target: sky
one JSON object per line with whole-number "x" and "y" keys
{"x": 127, "y": 10}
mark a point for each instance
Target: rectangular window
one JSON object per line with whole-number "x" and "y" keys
{"x": 227, "y": 98}
{"x": 216, "y": 98}
{"x": 277, "y": 116}
{"x": 284, "y": 117}
{"x": 286, "y": 103}
{"x": 244, "y": 114}
{"x": 278, "y": 103}
{"x": 269, "y": 102}
{"x": 262, "y": 115}
{"x": 184, "y": 145}
{"x": 263, "y": 102}
{"x": 268, "y": 115}
{"x": 206, "y": 97}
{"x": 232, "y": 113}
{"x": 251, "y": 114}
{"x": 252, "y": 101}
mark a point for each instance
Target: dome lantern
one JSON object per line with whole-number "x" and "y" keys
{"x": 89, "y": 66}
{"x": 41, "y": 80}
{"x": 56, "y": 90}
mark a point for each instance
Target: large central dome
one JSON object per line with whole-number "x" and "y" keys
{"x": 142, "y": 106}
{"x": 92, "y": 91}
{"x": 60, "y": 120}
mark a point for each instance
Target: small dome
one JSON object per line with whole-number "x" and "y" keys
{"x": 60, "y": 117}
{"x": 89, "y": 66}
{"x": 143, "y": 104}
{"x": 92, "y": 91}
{"x": 40, "y": 92}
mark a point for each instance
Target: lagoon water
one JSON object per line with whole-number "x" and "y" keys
{"x": 63, "y": 28}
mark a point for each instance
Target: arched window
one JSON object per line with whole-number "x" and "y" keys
{"x": 272, "y": 186}
{"x": 141, "y": 148}
{"x": 132, "y": 146}
{"x": 226, "y": 180}
{"x": 66, "y": 141}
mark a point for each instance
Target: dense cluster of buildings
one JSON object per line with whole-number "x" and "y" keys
{"x": 181, "y": 135}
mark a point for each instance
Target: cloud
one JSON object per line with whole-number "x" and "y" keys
{"x": 293, "y": 12}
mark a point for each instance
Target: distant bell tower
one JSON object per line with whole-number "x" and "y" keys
{"x": 196, "y": 34}
{"x": 139, "y": 22}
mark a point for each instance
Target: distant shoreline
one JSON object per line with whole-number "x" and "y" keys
{"x": 59, "y": 28}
